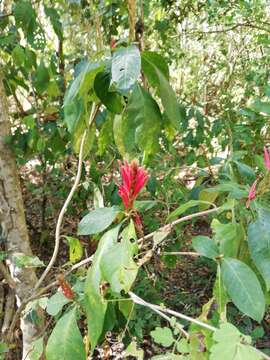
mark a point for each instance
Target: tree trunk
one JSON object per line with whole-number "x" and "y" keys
{"x": 13, "y": 221}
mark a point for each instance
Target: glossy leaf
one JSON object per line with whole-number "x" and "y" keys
{"x": 65, "y": 341}
{"x": 243, "y": 288}
{"x": 126, "y": 68}
{"x": 97, "y": 220}
{"x": 259, "y": 244}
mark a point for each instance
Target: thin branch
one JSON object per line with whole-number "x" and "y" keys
{"x": 156, "y": 308}
{"x": 137, "y": 300}
{"x": 69, "y": 198}
{"x": 39, "y": 294}
{"x": 171, "y": 225}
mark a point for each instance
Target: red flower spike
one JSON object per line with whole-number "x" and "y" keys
{"x": 134, "y": 178}
{"x": 252, "y": 193}
{"x": 267, "y": 158}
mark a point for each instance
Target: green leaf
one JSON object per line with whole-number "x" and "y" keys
{"x": 41, "y": 77}
{"x": 75, "y": 249}
{"x": 228, "y": 237}
{"x": 118, "y": 266}
{"x": 150, "y": 60}
{"x": 243, "y": 287}
{"x": 111, "y": 99}
{"x": 126, "y": 68}
{"x": 97, "y": 220}
{"x": 56, "y": 303}
{"x": 157, "y": 74}
{"x": 232, "y": 345}
{"x": 183, "y": 346}
{"x": 95, "y": 305}
{"x": 84, "y": 82}
{"x": 18, "y": 55}
{"x": 143, "y": 118}
{"x": 65, "y": 341}
{"x": 259, "y": 244}
{"x": 205, "y": 246}
{"x": 184, "y": 207}
{"x": 163, "y": 336}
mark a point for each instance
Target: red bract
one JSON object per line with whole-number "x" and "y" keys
{"x": 267, "y": 158}
{"x": 134, "y": 178}
{"x": 252, "y": 193}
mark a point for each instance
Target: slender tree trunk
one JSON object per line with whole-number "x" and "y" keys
{"x": 13, "y": 221}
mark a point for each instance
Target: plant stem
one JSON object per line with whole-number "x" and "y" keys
{"x": 69, "y": 198}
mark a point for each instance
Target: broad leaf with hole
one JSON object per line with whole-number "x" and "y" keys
{"x": 97, "y": 220}
{"x": 259, "y": 244}
{"x": 65, "y": 341}
{"x": 126, "y": 68}
{"x": 118, "y": 266}
{"x": 243, "y": 287}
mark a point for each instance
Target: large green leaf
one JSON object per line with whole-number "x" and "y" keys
{"x": 259, "y": 244}
{"x": 97, "y": 220}
{"x": 111, "y": 99}
{"x": 150, "y": 60}
{"x": 118, "y": 266}
{"x": 84, "y": 82}
{"x": 126, "y": 68}
{"x": 163, "y": 336}
{"x": 228, "y": 237}
{"x": 205, "y": 246}
{"x": 65, "y": 341}
{"x": 157, "y": 75}
{"x": 143, "y": 111}
{"x": 232, "y": 345}
{"x": 95, "y": 304}
{"x": 243, "y": 287}
{"x": 140, "y": 125}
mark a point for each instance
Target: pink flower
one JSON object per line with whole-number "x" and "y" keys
{"x": 267, "y": 158}
{"x": 134, "y": 178}
{"x": 252, "y": 193}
